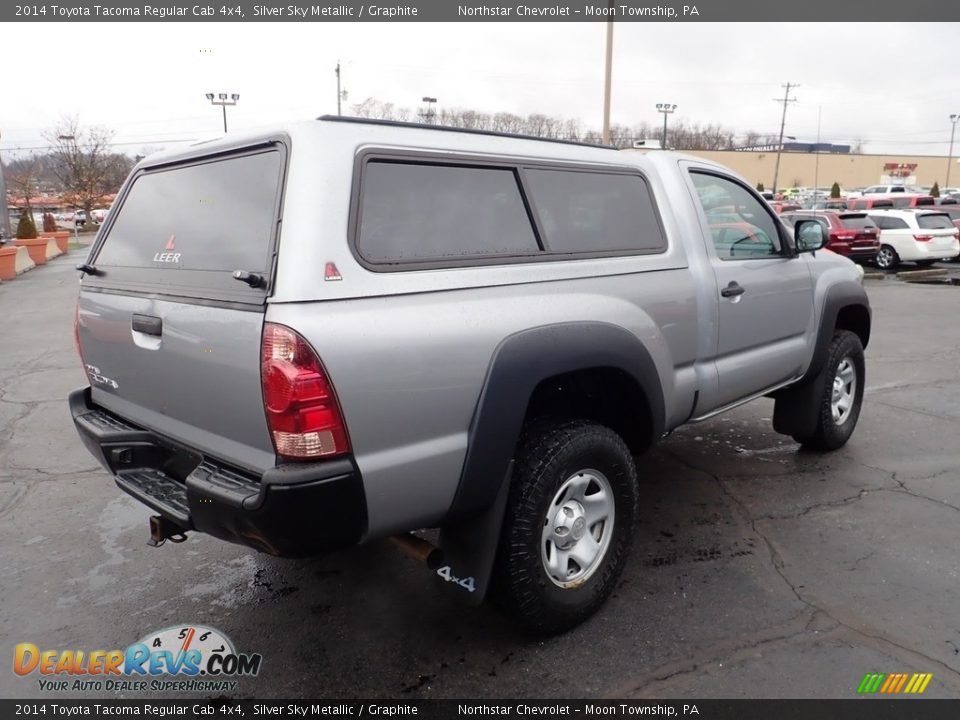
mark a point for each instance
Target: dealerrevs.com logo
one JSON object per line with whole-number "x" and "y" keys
{"x": 178, "y": 658}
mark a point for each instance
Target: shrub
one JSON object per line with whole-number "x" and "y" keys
{"x": 835, "y": 190}
{"x": 759, "y": 187}
{"x": 935, "y": 190}
{"x": 26, "y": 228}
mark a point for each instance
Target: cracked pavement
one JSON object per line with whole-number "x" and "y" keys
{"x": 758, "y": 570}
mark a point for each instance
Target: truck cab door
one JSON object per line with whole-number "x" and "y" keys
{"x": 764, "y": 291}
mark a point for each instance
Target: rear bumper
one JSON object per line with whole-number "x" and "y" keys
{"x": 292, "y": 510}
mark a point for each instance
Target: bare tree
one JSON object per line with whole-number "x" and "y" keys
{"x": 86, "y": 167}
{"x": 23, "y": 177}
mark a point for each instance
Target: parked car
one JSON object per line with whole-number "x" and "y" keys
{"x": 852, "y": 234}
{"x": 911, "y": 201}
{"x": 478, "y": 337}
{"x": 867, "y": 203}
{"x": 829, "y": 204}
{"x": 782, "y": 207}
{"x": 80, "y": 218}
{"x": 919, "y": 236}
{"x": 889, "y": 189}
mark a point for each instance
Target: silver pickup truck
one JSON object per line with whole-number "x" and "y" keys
{"x": 349, "y": 330}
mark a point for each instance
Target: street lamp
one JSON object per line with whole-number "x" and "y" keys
{"x": 666, "y": 109}
{"x": 341, "y": 94}
{"x": 953, "y": 119}
{"x": 430, "y": 113}
{"x": 222, "y": 100}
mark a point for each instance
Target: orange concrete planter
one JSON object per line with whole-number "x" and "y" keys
{"x": 61, "y": 236}
{"x": 8, "y": 263}
{"x": 37, "y": 247}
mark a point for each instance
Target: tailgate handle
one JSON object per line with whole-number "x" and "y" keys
{"x": 147, "y": 324}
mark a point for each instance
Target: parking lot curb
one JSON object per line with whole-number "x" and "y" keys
{"x": 920, "y": 274}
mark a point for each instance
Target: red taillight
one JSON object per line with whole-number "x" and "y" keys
{"x": 844, "y": 236}
{"x": 923, "y": 238}
{"x": 302, "y": 411}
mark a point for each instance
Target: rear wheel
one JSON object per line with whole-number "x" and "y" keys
{"x": 887, "y": 258}
{"x": 568, "y": 525}
{"x": 841, "y": 396}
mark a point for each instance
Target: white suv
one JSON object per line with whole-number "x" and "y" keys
{"x": 920, "y": 236}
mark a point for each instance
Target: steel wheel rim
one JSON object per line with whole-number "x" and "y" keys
{"x": 885, "y": 258}
{"x": 577, "y": 528}
{"x": 844, "y": 391}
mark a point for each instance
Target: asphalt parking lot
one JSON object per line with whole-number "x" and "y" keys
{"x": 757, "y": 571}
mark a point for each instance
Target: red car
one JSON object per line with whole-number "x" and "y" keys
{"x": 866, "y": 203}
{"x": 852, "y": 234}
{"x": 782, "y": 207}
{"x": 909, "y": 201}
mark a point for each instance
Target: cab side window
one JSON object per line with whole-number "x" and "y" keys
{"x": 740, "y": 226}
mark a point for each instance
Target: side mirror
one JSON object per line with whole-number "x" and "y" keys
{"x": 809, "y": 235}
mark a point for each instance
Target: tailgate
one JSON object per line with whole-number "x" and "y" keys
{"x": 169, "y": 338}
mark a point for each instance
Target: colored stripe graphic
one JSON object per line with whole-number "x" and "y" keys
{"x": 891, "y": 679}
{"x": 903, "y": 679}
{"x": 894, "y": 683}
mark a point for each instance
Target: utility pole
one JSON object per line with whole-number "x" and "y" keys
{"x": 783, "y": 122}
{"x": 607, "y": 76}
{"x": 953, "y": 119}
{"x": 5, "y": 217}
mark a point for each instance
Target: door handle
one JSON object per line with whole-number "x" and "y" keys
{"x": 733, "y": 289}
{"x": 147, "y": 324}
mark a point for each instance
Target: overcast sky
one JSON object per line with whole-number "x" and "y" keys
{"x": 891, "y": 85}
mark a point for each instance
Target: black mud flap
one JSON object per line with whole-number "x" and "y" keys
{"x": 470, "y": 548}
{"x": 796, "y": 409}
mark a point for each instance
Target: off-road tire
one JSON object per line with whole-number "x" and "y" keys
{"x": 828, "y": 435}
{"x": 549, "y": 453}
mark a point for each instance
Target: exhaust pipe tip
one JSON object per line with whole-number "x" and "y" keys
{"x": 419, "y": 549}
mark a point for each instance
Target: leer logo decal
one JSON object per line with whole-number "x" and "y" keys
{"x": 168, "y": 256}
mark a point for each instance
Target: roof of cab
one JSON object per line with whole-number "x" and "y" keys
{"x": 372, "y": 132}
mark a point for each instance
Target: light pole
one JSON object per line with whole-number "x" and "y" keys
{"x": 222, "y": 100}
{"x": 666, "y": 109}
{"x": 953, "y": 119}
{"x": 5, "y": 218}
{"x": 430, "y": 113}
{"x": 607, "y": 79}
{"x": 341, "y": 94}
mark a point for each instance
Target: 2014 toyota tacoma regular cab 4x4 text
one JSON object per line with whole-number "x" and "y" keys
{"x": 348, "y": 330}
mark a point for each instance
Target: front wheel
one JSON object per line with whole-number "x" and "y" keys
{"x": 841, "y": 396}
{"x": 568, "y": 526}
